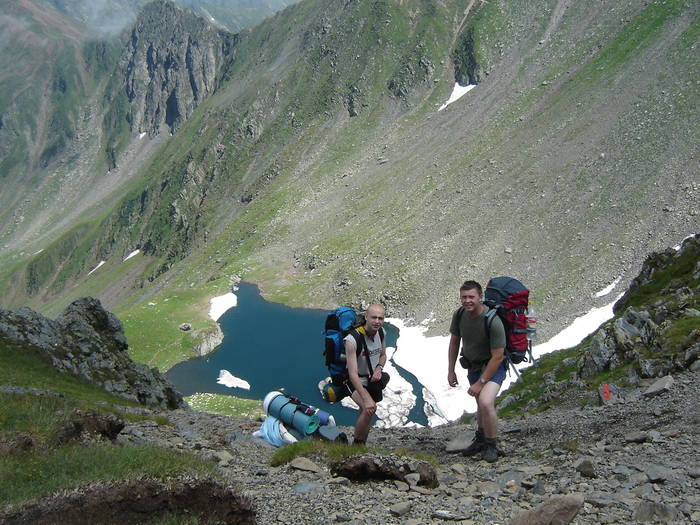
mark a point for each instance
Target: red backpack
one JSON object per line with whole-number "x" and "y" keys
{"x": 508, "y": 298}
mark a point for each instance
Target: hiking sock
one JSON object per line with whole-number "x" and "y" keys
{"x": 490, "y": 452}
{"x": 477, "y": 444}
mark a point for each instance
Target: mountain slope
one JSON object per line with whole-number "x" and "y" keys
{"x": 321, "y": 168}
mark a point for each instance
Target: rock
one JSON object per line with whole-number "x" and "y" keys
{"x": 90, "y": 425}
{"x": 607, "y": 393}
{"x": 459, "y": 443}
{"x": 637, "y": 437}
{"x": 657, "y": 473}
{"x": 400, "y": 509}
{"x": 650, "y": 511}
{"x": 659, "y": 387}
{"x": 185, "y": 327}
{"x": 223, "y": 457}
{"x": 447, "y": 516}
{"x": 557, "y": 511}
{"x": 307, "y": 487}
{"x": 87, "y": 341}
{"x": 302, "y": 463}
{"x": 367, "y": 467}
{"x": 585, "y": 467}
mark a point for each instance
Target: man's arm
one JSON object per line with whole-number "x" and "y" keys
{"x": 452, "y": 352}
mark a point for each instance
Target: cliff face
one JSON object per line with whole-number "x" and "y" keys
{"x": 170, "y": 64}
{"x": 88, "y": 341}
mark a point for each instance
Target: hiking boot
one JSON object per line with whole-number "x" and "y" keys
{"x": 490, "y": 452}
{"x": 477, "y": 444}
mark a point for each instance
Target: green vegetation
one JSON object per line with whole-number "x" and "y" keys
{"x": 678, "y": 273}
{"x": 152, "y": 328}
{"x": 532, "y": 382}
{"x": 330, "y": 452}
{"x": 39, "y": 473}
{"x": 227, "y": 405}
{"x": 49, "y": 465}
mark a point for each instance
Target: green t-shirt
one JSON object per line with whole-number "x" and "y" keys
{"x": 476, "y": 343}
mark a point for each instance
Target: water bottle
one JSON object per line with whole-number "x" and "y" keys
{"x": 531, "y": 328}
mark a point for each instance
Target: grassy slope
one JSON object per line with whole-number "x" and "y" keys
{"x": 47, "y": 468}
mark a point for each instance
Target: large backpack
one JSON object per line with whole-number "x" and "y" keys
{"x": 339, "y": 323}
{"x": 508, "y": 298}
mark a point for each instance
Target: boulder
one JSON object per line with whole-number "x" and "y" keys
{"x": 557, "y": 511}
{"x": 367, "y": 467}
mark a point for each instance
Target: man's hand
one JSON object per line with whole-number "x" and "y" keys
{"x": 452, "y": 378}
{"x": 370, "y": 405}
{"x": 475, "y": 389}
{"x": 377, "y": 374}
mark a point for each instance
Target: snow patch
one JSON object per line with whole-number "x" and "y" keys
{"x": 457, "y": 93}
{"x": 96, "y": 267}
{"x": 226, "y": 378}
{"x": 141, "y": 135}
{"x": 135, "y": 252}
{"x": 220, "y": 304}
{"x": 605, "y": 291}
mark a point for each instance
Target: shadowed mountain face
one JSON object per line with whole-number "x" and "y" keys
{"x": 308, "y": 153}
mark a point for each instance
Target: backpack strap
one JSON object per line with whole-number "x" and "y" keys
{"x": 359, "y": 335}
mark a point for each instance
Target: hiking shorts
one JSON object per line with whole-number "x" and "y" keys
{"x": 374, "y": 388}
{"x": 498, "y": 377}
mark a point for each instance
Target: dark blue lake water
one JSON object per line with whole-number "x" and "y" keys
{"x": 273, "y": 346}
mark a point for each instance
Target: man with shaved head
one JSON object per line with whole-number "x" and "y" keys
{"x": 365, "y": 352}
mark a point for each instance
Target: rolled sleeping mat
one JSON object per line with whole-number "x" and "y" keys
{"x": 291, "y": 414}
{"x": 324, "y": 417}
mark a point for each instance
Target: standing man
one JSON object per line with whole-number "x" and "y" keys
{"x": 366, "y": 378}
{"x": 482, "y": 355}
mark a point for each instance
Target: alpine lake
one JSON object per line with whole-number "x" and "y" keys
{"x": 275, "y": 347}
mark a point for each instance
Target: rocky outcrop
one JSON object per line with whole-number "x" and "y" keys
{"x": 657, "y": 326}
{"x": 655, "y": 333}
{"x": 87, "y": 341}
{"x": 171, "y": 63}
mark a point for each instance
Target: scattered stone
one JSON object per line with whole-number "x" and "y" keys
{"x": 557, "y": 511}
{"x": 447, "y": 516}
{"x": 585, "y": 467}
{"x": 400, "y": 509}
{"x": 637, "y": 437}
{"x": 659, "y": 387}
{"x": 649, "y": 511}
{"x": 302, "y": 463}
